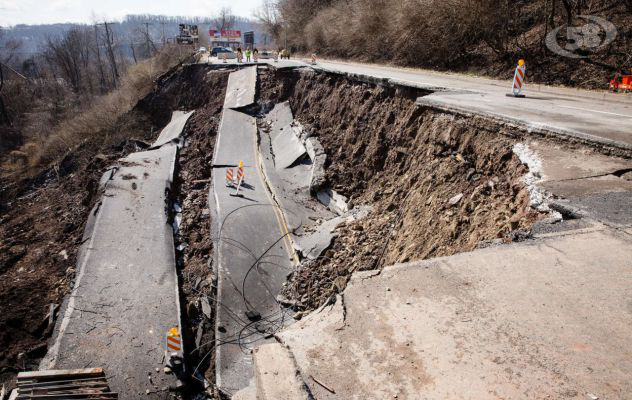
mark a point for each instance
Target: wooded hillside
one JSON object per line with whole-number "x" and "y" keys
{"x": 483, "y": 36}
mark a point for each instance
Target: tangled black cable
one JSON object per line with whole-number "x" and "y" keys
{"x": 274, "y": 321}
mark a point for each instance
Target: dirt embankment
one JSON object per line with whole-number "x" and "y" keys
{"x": 42, "y": 219}
{"x": 193, "y": 242}
{"x": 437, "y": 184}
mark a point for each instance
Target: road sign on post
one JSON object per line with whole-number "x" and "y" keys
{"x": 249, "y": 40}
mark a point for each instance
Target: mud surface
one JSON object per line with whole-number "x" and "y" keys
{"x": 42, "y": 219}
{"x": 437, "y": 184}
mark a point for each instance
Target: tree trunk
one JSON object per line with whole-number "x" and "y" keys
{"x": 569, "y": 12}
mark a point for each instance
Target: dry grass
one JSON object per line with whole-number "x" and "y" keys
{"x": 482, "y": 36}
{"x": 101, "y": 120}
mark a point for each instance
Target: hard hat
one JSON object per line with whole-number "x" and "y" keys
{"x": 521, "y": 62}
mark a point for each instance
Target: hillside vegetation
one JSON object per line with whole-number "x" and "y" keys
{"x": 481, "y": 36}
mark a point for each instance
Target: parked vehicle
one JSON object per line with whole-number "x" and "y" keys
{"x": 202, "y": 50}
{"x": 265, "y": 54}
{"x": 285, "y": 54}
{"x": 219, "y": 49}
{"x": 621, "y": 84}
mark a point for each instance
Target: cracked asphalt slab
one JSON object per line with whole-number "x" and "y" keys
{"x": 538, "y": 319}
{"x": 125, "y": 297}
{"x": 253, "y": 251}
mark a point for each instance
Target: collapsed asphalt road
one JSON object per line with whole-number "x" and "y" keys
{"x": 125, "y": 297}
{"x": 253, "y": 255}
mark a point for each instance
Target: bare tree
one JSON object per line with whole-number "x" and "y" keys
{"x": 97, "y": 48}
{"x": 270, "y": 16}
{"x": 225, "y": 19}
{"x": 65, "y": 54}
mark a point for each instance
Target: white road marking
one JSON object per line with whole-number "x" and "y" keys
{"x": 597, "y": 111}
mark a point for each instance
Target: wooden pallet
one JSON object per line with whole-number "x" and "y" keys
{"x": 63, "y": 384}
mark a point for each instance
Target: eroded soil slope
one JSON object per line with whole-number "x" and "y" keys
{"x": 436, "y": 184}
{"x": 42, "y": 219}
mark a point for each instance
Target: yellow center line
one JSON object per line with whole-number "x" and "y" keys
{"x": 289, "y": 243}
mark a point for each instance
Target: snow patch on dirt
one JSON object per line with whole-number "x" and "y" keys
{"x": 538, "y": 197}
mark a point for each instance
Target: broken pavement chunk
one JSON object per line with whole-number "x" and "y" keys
{"x": 287, "y": 148}
{"x": 334, "y": 201}
{"x": 172, "y": 132}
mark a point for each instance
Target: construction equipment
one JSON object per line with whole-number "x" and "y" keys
{"x": 621, "y": 84}
{"x": 188, "y": 34}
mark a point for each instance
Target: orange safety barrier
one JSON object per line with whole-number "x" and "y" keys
{"x": 229, "y": 177}
{"x": 519, "y": 76}
{"x": 174, "y": 341}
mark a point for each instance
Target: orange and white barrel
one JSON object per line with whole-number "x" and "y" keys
{"x": 240, "y": 174}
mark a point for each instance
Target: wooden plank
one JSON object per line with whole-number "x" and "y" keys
{"x": 61, "y": 382}
{"x": 61, "y": 373}
{"x": 85, "y": 386}
{"x": 91, "y": 396}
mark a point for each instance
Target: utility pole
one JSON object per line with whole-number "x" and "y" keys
{"x": 109, "y": 40}
{"x": 147, "y": 40}
{"x": 163, "y": 33}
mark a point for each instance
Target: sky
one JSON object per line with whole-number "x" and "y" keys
{"x": 13, "y": 12}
